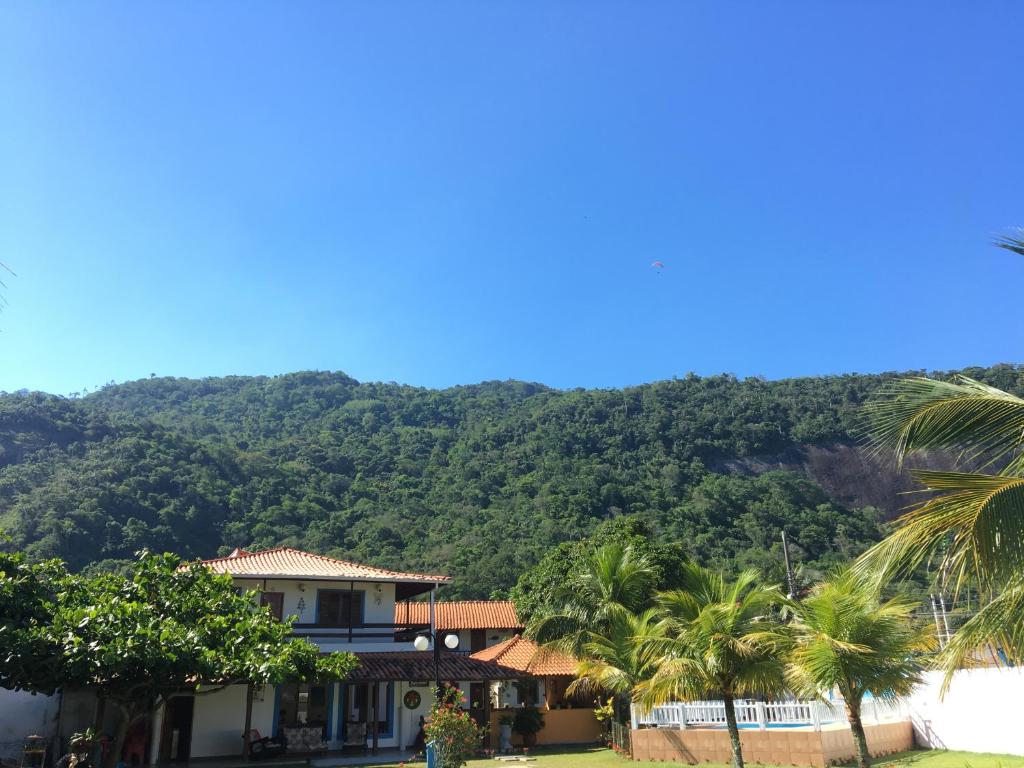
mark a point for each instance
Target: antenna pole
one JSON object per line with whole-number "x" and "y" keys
{"x": 790, "y": 578}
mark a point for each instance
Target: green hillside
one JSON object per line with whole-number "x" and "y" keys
{"x": 476, "y": 481}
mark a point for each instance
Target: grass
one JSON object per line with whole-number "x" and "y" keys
{"x": 605, "y": 758}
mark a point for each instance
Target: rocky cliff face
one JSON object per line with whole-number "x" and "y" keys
{"x": 849, "y": 472}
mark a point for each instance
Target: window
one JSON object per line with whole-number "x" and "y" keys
{"x": 302, "y": 704}
{"x": 477, "y": 640}
{"x": 339, "y": 608}
{"x": 276, "y": 602}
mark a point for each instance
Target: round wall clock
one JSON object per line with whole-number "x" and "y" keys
{"x": 412, "y": 699}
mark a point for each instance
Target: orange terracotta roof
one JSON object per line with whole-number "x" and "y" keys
{"x": 461, "y": 614}
{"x": 286, "y": 562}
{"x": 525, "y": 656}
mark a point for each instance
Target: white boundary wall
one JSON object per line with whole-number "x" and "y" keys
{"x": 981, "y": 712}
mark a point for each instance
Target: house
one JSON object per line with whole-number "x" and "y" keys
{"x": 542, "y": 679}
{"x": 491, "y": 631}
{"x": 340, "y": 606}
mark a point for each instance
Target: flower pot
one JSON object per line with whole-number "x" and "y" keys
{"x": 505, "y": 738}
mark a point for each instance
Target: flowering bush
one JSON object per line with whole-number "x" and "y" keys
{"x": 455, "y": 734}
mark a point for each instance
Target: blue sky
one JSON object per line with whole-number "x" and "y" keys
{"x": 440, "y": 193}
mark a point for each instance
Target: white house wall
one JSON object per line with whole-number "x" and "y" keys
{"x": 218, "y": 722}
{"x": 300, "y": 597}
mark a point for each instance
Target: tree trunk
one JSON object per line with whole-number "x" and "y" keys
{"x": 117, "y": 744}
{"x": 247, "y": 732}
{"x": 99, "y": 714}
{"x": 860, "y": 739}
{"x": 734, "y": 731}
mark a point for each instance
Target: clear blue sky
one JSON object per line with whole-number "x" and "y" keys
{"x": 440, "y": 193}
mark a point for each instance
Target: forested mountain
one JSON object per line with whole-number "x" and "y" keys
{"x": 476, "y": 481}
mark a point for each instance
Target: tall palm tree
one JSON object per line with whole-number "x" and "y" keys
{"x": 845, "y": 637}
{"x": 615, "y": 581}
{"x": 619, "y": 658}
{"x": 723, "y": 642}
{"x": 973, "y": 520}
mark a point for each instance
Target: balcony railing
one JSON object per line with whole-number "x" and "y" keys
{"x": 357, "y": 633}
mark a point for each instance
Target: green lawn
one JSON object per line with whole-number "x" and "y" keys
{"x": 605, "y": 758}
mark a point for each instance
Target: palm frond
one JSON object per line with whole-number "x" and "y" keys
{"x": 977, "y": 519}
{"x": 995, "y": 633}
{"x": 1012, "y": 243}
{"x": 846, "y": 636}
{"x": 720, "y": 639}
{"x": 982, "y": 422}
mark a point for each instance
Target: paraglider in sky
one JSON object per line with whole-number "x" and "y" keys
{"x": 658, "y": 265}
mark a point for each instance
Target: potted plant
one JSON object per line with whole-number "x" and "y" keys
{"x": 528, "y": 723}
{"x": 505, "y": 732}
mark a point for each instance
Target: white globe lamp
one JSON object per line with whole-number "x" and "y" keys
{"x": 451, "y": 642}
{"x": 421, "y": 643}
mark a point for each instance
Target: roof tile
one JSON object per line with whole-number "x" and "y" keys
{"x": 294, "y": 563}
{"x": 461, "y": 614}
{"x": 524, "y": 655}
{"x": 419, "y": 665}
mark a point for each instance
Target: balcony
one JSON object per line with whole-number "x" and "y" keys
{"x": 359, "y": 633}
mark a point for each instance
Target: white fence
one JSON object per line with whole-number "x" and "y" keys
{"x": 764, "y": 714}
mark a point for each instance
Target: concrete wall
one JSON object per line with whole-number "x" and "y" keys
{"x": 493, "y": 637}
{"x": 217, "y": 723}
{"x": 980, "y": 712}
{"x": 561, "y": 726}
{"x": 23, "y": 714}
{"x": 789, "y": 746}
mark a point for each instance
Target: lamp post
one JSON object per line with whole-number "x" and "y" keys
{"x": 424, "y": 642}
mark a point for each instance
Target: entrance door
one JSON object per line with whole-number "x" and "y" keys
{"x": 176, "y": 735}
{"x": 477, "y": 705}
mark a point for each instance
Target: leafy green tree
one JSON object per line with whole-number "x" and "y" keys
{"x": 723, "y": 642}
{"x": 846, "y": 637}
{"x": 973, "y": 521}
{"x": 170, "y": 629}
{"x": 28, "y": 594}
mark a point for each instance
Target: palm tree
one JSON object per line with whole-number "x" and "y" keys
{"x": 615, "y": 581}
{"x": 620, "y": 658}
{"x": 973, "y": 520}
{"x": 845, "y": 637}
{"x": 723, "y": 642}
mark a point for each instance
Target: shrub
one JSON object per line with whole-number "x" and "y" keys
{"x": 528, "y": 722}
{"x": 455, "y": 734}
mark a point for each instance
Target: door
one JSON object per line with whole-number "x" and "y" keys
{"x": 477, "y": 640}
{"x": 477, "y": 705}
{"x": 176, "y": 735}
{"x": 276, "y": 602}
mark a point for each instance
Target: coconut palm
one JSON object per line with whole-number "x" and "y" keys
{"x": 723, "y": 642}
{"x": 845, "y": 637}
{"x": 615, "y": 581}
{"x": 620, "y": 658}
{"x": 974, "y": 520}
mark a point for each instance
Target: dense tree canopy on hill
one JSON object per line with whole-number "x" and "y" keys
{"x": 477, "y": 481}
